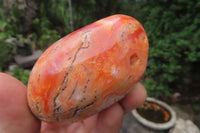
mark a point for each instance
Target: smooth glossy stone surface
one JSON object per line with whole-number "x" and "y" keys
{"x": 88, "y": 70}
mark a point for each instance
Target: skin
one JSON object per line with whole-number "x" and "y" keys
{"x": 15, "y": 115}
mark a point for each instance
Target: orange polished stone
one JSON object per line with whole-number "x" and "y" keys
{"x": 88, "y": 70}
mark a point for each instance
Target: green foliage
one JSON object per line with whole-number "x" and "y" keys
{"x": 10, "y": 24}
{"x": 4, "y": 54}
{"x": 174, "y": 36}
{"x": 46, "y": 33}
{"x": 60, "y": 17}
{"x": 46, "y": 36}
{"x": 8, "y": 28}
{"x": 6, "y": 50}
{"x": 21, "y": 74}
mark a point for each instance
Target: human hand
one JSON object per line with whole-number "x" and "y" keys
{"x": 16, "y": 117}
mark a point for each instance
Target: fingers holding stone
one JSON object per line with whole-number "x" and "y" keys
{"x": 134, "y": 98}
{"x": 14, "y": 107}
{"x": 110, "y": 119}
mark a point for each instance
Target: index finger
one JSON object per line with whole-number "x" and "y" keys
{"x": 134, "y": 98}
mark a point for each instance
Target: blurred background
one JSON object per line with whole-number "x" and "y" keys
{"x": 29, "y": 27}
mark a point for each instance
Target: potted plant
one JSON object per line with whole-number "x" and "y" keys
{"x": 155, "y": 114}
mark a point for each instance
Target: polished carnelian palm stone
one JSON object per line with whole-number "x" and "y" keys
{"x": 88, "y": 70}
